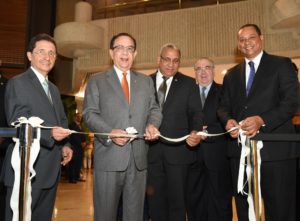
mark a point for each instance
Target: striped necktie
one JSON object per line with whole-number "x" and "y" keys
{"x": 162, "y": 90}
{"x": 202, "y": 95}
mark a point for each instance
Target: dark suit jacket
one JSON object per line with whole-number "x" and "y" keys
{"x": 5, "y": 141}
{"x": 273, "y": 96}
{"x": 213, "y": 149}
{"x": 25, "y": 97}
{"x": 182, "y": 113}
{"x": 3, "y": 82}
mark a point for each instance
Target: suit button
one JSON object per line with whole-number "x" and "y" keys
{"x": 246, "y": 107}
{"x": 129, "y": 116}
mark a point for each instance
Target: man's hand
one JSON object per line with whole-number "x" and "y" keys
{"x": 193, "y": 139}
{"x": 204, "y": 129}
{"x": 151, "y": 132}
{"x": 251, "y": 125}
{"x": 230, "y": 124}
{"x": 59, "y": 133}
{"x": 121, "y": 141}
{"x": 67, "y": 154}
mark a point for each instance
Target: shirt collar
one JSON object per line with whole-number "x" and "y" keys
{"x": 39, "y": 75}
{"x": 207, "y": 87}
{"x": 120, "y": 73}
{"x": 255, "y": 60}
{"x": 159, "y": 76}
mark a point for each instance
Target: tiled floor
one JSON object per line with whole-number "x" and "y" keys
{"x": 74, "y": 202}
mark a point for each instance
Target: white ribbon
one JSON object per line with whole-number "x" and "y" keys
{"x": 16, "y": 161}
{"x": 201, "y": 133}
{"x": 35, "y": 148}
{"x": 245, "y": 155}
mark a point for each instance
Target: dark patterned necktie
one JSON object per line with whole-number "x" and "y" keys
{"x": 251, "y": 77}
{"x": 161, "y": 93}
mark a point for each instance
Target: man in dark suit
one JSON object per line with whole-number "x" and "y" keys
{"x": 209, "y": 179}
{"x": 26, "y": 97}
{"x": 267, "y": 106}
{"x": 168, "y": 163}
{"x": 115, "y": 100}
{"x": 3, "y": 144}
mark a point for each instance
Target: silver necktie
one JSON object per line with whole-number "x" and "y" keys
{"x": 46, "y": 89}
{"x": 202, "y": 95}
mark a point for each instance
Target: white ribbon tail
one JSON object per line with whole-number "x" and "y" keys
{"x": 16, "y": 165}
{"x": 245, "y": 156}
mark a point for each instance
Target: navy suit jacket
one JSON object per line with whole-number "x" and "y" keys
{"x": 273, "y": 96}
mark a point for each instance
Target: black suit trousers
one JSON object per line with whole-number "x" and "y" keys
{"x": 166, "y": 191}
{"x": 210, "y": 192}
{"x": 278, "y": 188}
{"x": 42, "y": 205}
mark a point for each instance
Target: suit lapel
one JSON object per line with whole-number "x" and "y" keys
{"x": 210, "y": 96}
{"x": 171, "y": 93}
{"x": 40, "y": 92}
{"x": 172, "y": 90}
{"x": 242, "y": 79}
{"x": 133, "y": 87}
{"x": 114, "y": 82}
{"x": 36, "y": 83}
{"x": 259, "y": 74}
{"x": 55, "y": 99}
{"x": 153, "y": 76}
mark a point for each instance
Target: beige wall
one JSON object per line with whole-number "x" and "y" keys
{"x": 204, "y": 31}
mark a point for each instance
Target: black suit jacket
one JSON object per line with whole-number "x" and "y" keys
{"x": 3, "y": 141}
{"x": 213, "y": 149}
{"x": 25, "y": 96}
{"x": 3, "y": 82}
{"x": 182, "y": 113}
{"x": 273, "y": 96}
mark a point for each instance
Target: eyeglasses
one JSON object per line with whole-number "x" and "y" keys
{"x": 44, "y": 53}
{"x": 169, "y": 60}
{"x": 122, "y": 48}
{"x": 205, "y": 68}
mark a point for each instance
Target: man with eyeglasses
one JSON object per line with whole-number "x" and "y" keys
{"x": 169, "y": 163}
{"x": 25, "y": 96}
{"x": 114, "y": 101}
{"x": 266, "y": 106}
{"x": 210, "y": 194}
